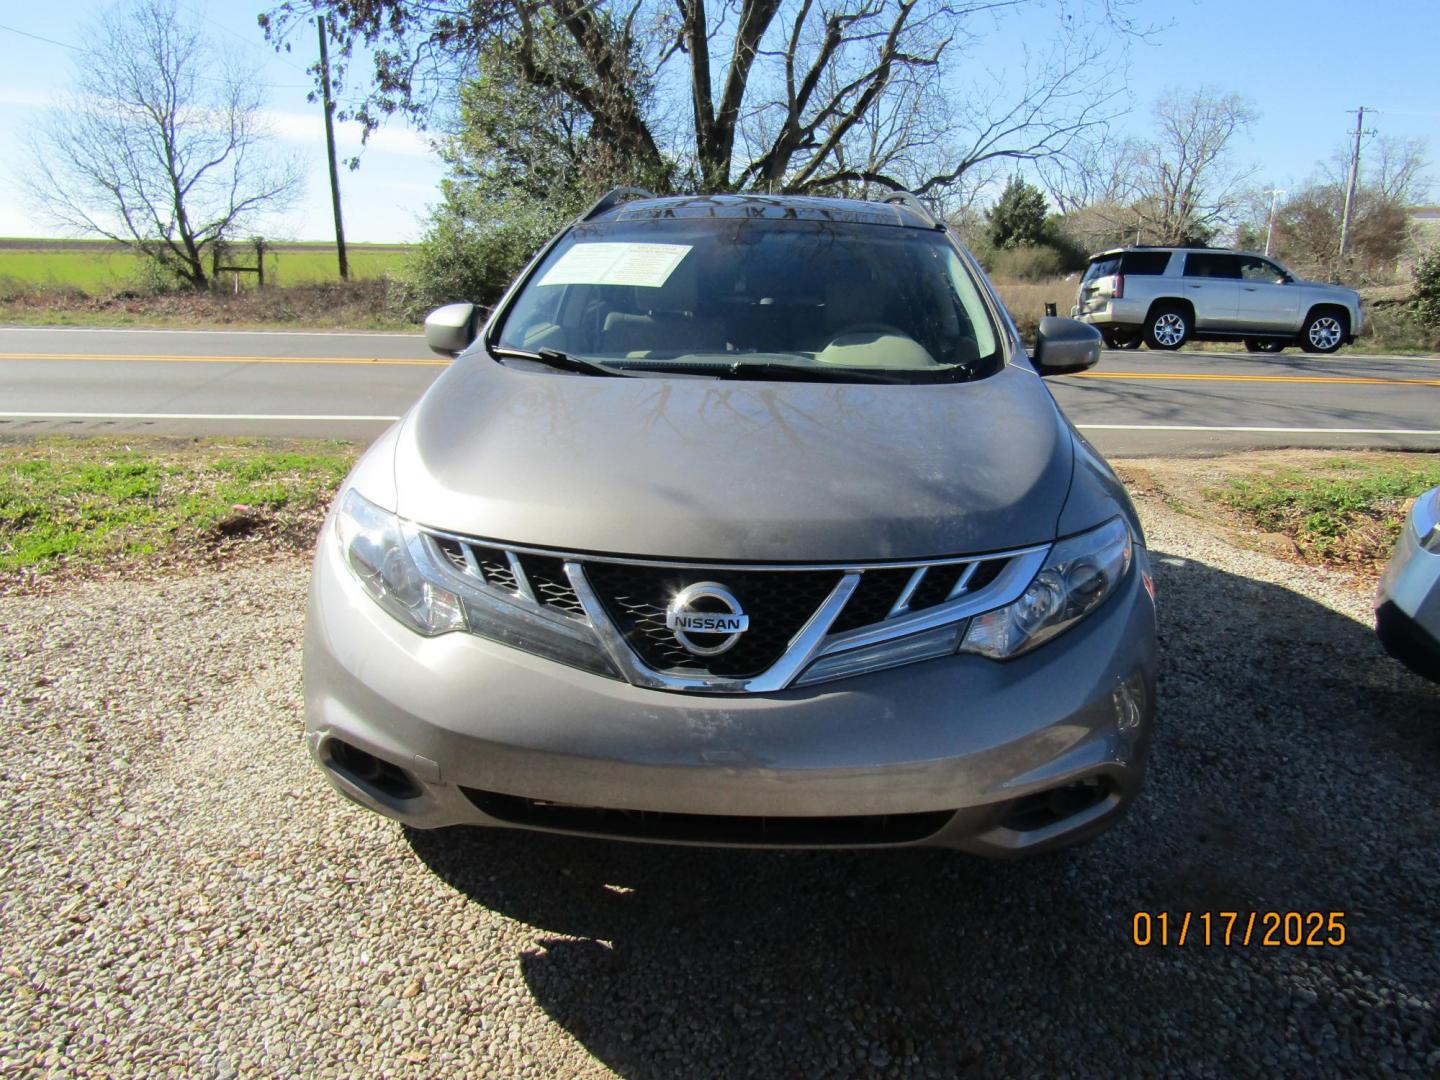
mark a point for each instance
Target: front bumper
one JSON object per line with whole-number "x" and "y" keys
{"x": 964, "y": 752}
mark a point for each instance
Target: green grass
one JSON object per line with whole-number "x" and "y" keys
{"x": 1349, "y": 510}
{"x": 86, "y": 502}
{"x": 97, "y": 267}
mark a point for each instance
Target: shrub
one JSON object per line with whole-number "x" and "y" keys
{"x": 468, "y": 259}
{"x": 1018, "y": 218}
{"x": 1425, "y": 300}
{"x": 1398, "y": 326}
{"x": 1026, "y": 263}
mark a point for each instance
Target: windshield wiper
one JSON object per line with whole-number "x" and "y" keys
{"x": 564, "y": 362}
{"x": 778, "y": 371}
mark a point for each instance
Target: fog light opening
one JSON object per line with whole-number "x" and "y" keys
{"x": 1045, "y": 808}
{"x": 369, "y": 771}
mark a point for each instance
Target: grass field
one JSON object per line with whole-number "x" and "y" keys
{"x": 1026, "y": 300}
{"x": 96, "y": 267}
{"x": 1344, "y": 510}
{"x": 86, "y": 503}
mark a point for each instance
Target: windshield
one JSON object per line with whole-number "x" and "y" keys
{"x": 738, "y": 295}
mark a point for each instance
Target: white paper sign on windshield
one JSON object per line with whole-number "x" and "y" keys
{"x": 646, "y": 265}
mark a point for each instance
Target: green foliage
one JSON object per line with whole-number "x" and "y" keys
{"x": 524, "y": 161}
{"x": 473, "y": 255}
{"x": 1325, "y": 513}
{"x": 1018, "y": 218}
{"x": 1425, "y": 297}
{"x": 1249, "y": 237}
{"x": 1074, "y": 254}
{"x": 1396, "y": 327}
{"x": 1052, "y": 254}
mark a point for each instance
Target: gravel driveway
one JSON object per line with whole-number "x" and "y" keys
{"x": 181, "y": 892}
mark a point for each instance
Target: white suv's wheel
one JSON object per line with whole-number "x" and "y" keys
{"x": 1168, "y": 328}
{"x": 1324, "y": 332}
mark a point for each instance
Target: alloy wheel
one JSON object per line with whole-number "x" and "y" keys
{"x": 1325, "y": 333}
{"x": 1169, "y": 329}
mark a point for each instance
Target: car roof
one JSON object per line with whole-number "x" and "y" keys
{"x": 795, "y": 207}
{"x": 1108, "y": 252}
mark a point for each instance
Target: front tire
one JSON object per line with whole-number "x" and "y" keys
{"x": 1168, "y": 328}
{"x": 1324, "y": 332}
{"x": 1269, "y": 345}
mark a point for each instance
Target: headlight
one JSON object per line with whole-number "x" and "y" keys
{"x": 398, "y": 566}
{"x": 1077, "y": 576}
{"x": 376, "y": 548}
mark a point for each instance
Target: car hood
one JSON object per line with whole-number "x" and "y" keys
{"x": 1325, "y": 286}
{"x": 690, "y": 468}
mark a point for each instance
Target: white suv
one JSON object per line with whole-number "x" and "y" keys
{"x": 1168, "y": 296}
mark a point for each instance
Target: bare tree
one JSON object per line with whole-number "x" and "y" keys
{"x": 1189, "y": 186}
{"x": 160, "y": 146}
{"x": 779, "y": 95}
{"x": 1093, "y": 172}
{"x": 1394, "y": 168}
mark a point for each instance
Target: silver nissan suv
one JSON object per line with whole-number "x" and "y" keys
{"x": 1168, "y": 296}
{"x": 742, "y": 520}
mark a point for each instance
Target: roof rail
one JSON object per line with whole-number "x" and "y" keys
{"x": 613, "y": 197}
{"x": 913, "y": 204}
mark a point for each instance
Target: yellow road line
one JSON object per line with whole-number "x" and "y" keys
{"x": 1357, "y": 380}
{"x": 364, "y": 361}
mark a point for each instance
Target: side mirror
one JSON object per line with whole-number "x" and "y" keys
{"x": 449, "y": 330}
{"x": 1064, "y": 346}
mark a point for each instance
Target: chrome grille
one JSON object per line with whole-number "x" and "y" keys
{"x": 797, "y": 614}
{"x": 538, "y": 577}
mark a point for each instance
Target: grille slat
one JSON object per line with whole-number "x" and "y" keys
{"x": 495, "y": 566}
{"x": 873, "y": 598}
{"x": 549, "y": 583}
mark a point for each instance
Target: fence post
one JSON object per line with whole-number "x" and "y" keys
{"x": 260, "y": 262}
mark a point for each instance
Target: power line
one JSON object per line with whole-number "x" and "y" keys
{"x": 204, "y": 78}
{"x": 253, "y": 44}
{"x": 37, "y": 37}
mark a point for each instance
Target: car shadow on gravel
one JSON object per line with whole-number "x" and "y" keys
{"x": 1295, "y": 769}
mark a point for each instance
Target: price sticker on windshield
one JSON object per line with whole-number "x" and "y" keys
{"x": 646, "y": 265}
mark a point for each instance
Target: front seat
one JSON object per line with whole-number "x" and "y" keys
{"x": 669, "y": 324}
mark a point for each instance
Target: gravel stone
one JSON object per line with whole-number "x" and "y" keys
{"x": 182, "y": 894}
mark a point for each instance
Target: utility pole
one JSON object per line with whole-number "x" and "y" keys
{"x": 330, "y": 145}
{"x": 1274, "y": 194}
{"x": 1350, "y": 188}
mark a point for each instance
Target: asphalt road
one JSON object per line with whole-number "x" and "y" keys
{"x": 352, "y": 385}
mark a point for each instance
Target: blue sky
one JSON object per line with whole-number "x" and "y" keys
{"x": 1303, "y": 63}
